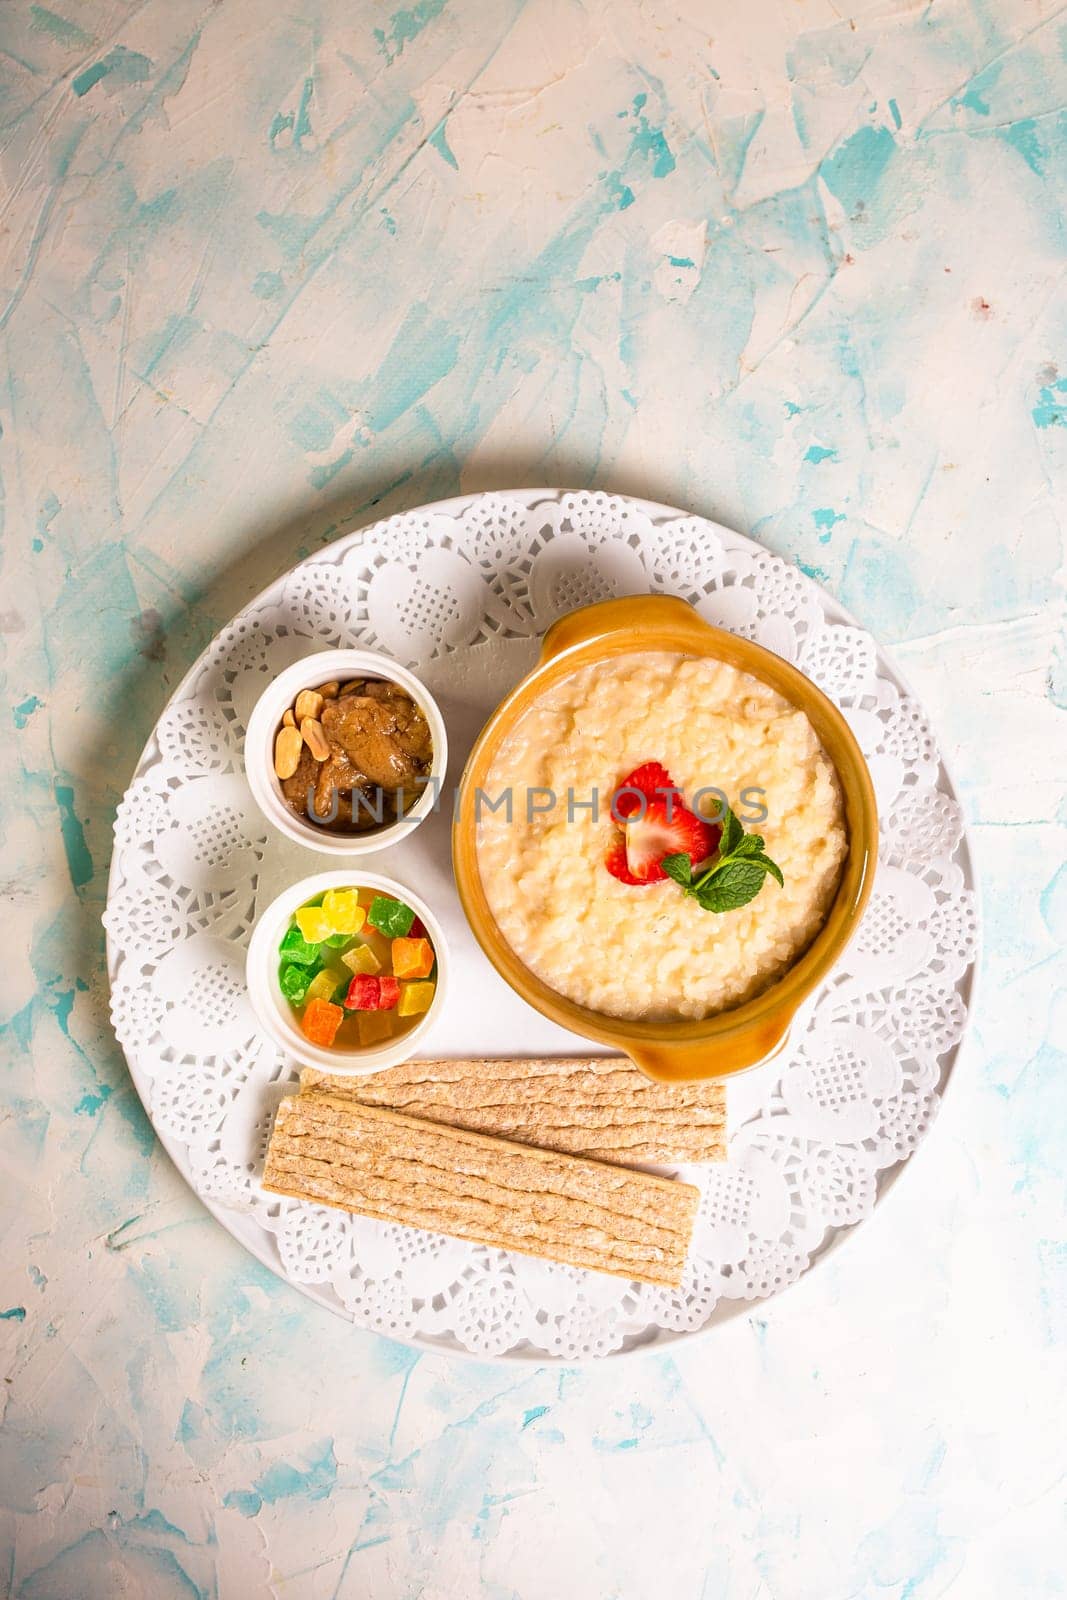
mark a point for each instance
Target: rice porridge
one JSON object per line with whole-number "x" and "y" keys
{"x": 646, "y": 950}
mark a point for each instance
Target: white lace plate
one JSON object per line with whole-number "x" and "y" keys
{"x": 461, "y": 592}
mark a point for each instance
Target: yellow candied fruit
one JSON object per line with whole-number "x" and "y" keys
{"x": 374, "y": 1026}
{"x": 313, "y": 924}
{"x": 342, "y": 910}
{"x": 361, "y": 959}
{"x": 415, "y": 998}
{"x": 322, "y": 986}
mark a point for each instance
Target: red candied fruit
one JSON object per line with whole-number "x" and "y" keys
{"x": 366, "y": 993}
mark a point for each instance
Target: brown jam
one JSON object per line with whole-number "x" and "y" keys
{"x": 360, "y": 758}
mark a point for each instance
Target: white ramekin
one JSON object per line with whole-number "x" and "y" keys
{"x": 271, "y": 1007}
{"x": 322, "y": 667}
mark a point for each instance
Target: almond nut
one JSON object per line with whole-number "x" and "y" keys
{"x": 308, "y": 704}
{"x": 330, "y": 691}
{"x": 314, "y": 736}
{"x": 287, "y": 748}
{"x": 288, "y": 721}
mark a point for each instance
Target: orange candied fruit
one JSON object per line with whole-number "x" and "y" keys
{"x": 412, "y": 958}
{"x": 321, "y": 1021}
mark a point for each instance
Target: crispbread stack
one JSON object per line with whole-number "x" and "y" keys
{"x": 598, "y": 1106}
{"x": 396, "y": 1168}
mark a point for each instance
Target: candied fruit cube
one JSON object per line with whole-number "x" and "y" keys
{"x": 294, "y": 947}
{"x": 412, "y": 958}
{"x": 389, "y": 916}
{"x": 337, "y": 941}
{"x": 322, "y": 986}
{"x": 293, "y": 981}
{"x": 415, "y": 998}
{"x": 313, "y": 924}
{"x": 343, "y": 911}
{"x": 371, "y": 994}
{"x": 374, "y": 1027}
{"x": 321, "y": 1021}
{"x": 362, "y": 993}
{"x": 361, "y": 959}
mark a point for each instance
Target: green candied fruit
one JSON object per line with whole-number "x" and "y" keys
{"x": 337, "y": 941}
{"x": 296, "y": 948}
{"x": 389, "y": 916}
{"x": 293, "y": 982}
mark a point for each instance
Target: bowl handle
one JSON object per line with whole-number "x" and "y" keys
{"x": 686, "y": 1063}
{"x": 630, "y": 615}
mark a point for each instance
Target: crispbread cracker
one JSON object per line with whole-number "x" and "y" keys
{"x": 598, "y": 1106}
{"x": 396, "y": 1168}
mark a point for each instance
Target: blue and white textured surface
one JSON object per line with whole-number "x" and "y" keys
{"x": 267, "y": 273}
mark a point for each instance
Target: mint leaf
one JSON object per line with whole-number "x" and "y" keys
{"x": 770, "y": 867}
{"x": 750, "y": 844}
{"x": 732, "y": 832}
{"x": 679, "y": 867}
{"x": 737, "y": 870}
{"x": 737, "y": 884}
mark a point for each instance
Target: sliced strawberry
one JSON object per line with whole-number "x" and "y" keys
{"x": 655, "y": 835}
{"x": 646, "y": 779}
{"x": 615, "y": 861}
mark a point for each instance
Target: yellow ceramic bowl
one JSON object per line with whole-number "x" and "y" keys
{"x": 731, "y": 1040}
